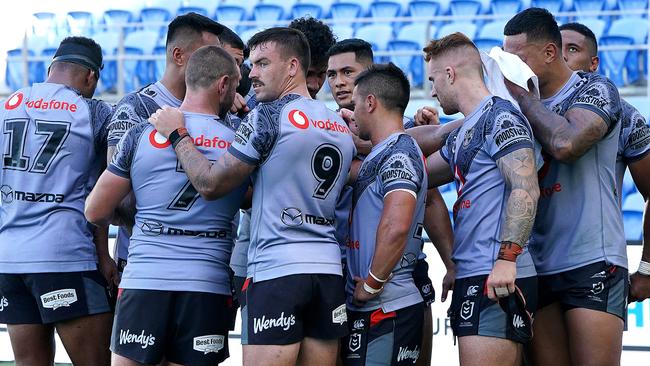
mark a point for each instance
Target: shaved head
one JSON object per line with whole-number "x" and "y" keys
{"x": 455, "y": 50}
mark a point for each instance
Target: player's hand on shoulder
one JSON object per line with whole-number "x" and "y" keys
{"x": 502, "y": 277}
{"x": 427, "y": 116}
{"x": 639, "y": 287}
{"x": 167, "y": 119}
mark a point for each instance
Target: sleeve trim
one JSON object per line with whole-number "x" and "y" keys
{"x": 412, "y": 193}
{"x": 118, "y": 171}
{"x": 514, "y": 147}
{"x": 243, "y": 157}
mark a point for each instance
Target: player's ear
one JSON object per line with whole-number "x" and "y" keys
{"x": 177, "y": 56}
{"x": 371, "y": 103}
{"x": 551, "y": 52}
{"x": 451, "y": 74}
{"x": 595, "y": 62}
{"x": 222, "y": 84}
{"x": 294, "y": 66}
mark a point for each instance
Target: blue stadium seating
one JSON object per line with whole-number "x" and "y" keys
{"x": 134, "y": 70}
{"x": 343, "y": 10}
{"x": 247, "y": 34}
{"x": 588, "y": 6}
{"x": 109, "y": 41}
{"x": 493, "y": 30}
{"x": 158, "y": 16}
{"x": 286, "y": 5}
{"x": 44, "y": 24}
{"x": 376, "y": 34}
{"x": 634, "y": 202}
{"x": 15, "y": 69}
{"x": 637, "y": 29}
{"x": 79, "y": 23}
{"x": 423, "y": 8}
{"x": 412, "y": 65}
{"x": 158, "y": 66}
{"x": 342, "y": 31}
{"x": 628, "y": 185}
{"x": 596, "y": 25}
{"x": 505, "y": 7}
{"x": 486, "y": 44}
{"x": 469, "y": 29}
{"x": 419, "y": 33}
{"x": 613, "y": 62}
{"x": 464, "y": 8}
{"x": 193, "y": 9}
{"x": 115, "y": 19}
{"x": 303, "y": 9}
{"x": 633, "y": 224}
{"x": 231, "y": 15}
{"x": 554, "y": 6}
{"x": 633, "y": 5}
{"x": 385, "y": 9}
{"x": 268, "y": 15}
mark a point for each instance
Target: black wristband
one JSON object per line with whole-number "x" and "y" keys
{"x": 177, "y": 135}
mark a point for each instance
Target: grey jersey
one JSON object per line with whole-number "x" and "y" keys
{"x": 578, "y": 218}
{"x": 494, "y": 129}
{"x": 633, "y": 142}
{"x": 54, "y": 145}
{"x": 302, "y": 152}
{"x": 394, "y": 164}
{"x": 180, "y": 241}
{"x": 239, "y": 259}
{"x": 134, "y": 109}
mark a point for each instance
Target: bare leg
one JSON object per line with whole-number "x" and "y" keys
{"x": 271, "y": 355}
{"x": 550, "y": 345}
{"x": 318, "y": 352}
{"x": 488, "y": 351}
{"x": 427, "y": 339}
{"x": 76, "y": 333}
{"x": 595, "y": 337}
{"x": 32, "y": 344}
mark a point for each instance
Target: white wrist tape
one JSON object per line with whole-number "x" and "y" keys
{"x": 644, "y": 268}
{"x": 370, "y": 290}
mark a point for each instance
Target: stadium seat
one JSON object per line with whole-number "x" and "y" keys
{"x": 634, "y": 202}
{"x": 486, "y": 44}
{"x": 633, "y": 224}
{"x": 588, "y": 6}
{"x": 115, "y": 19}
{"x": 450, "y": 198}
{"x": 146, "y": 40}
{"x": 109, "y": 41}
{"x": 15, "y": 71}
{"x": 230, "y": 16}
{"x": 468, "y": 29}
{"x": 423, "y": 8}
{"x": 505, "y": 7}
{"x": 44, "y": 24}
{"x": 155, "y": 19}
{"x": 412, "y": 65}
{"x": 247, "y": 34}
{"x": 376, "y": 34}
{"x": 134, "y": 69}
{"x": 633, "y": 5}
{"x": 596, "y": 25}
{"x": 248, "y": 5}
{"x": 342, "y": 31}
{"x": 628, "y": 185}
{"x": 286, "y": 5}
{"x": 300, "y": 10}
{"x": 613, "y": 62}
{"x": 637, "y": 29}
{"x": 342, "y": 10}
{"x": 554, "y": 6}
{"x": 79, "y": 23}
{"x": 192, "y": 9}
{"x": 464, "y": 8}
{"x": 419, "y": 33}
{"x": 385, "y": 9}
{"x": 492, "y": 30}
{"x": 267, "y": 15}
{"x": 207, "y": 4}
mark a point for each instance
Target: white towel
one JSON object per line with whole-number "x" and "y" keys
{"x": 500, "y": 64}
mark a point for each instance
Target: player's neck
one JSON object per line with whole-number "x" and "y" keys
{"x": 555, "y": 81}
{"x": 386, "y": 125}
{"x": 174, "y": 83}
{"x": 472, "y": 94}
{"x": 199, "y": 103}
{"x": 296, "y": 87}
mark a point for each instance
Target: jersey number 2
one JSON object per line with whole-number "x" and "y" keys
{"x": 326, "y": 168}
{"x": 55, "y": 135}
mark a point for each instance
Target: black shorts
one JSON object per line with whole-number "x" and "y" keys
{"x": 188, "y": 328}
{"x": 45, "y": 298}
{"x": 238, "y": 301}
{"x": 423, "y": 282}
{"x": 287, "y": 309}
{"x": 121, "y": 264}
{"x": 598, "y": 286}
{"x": 378, "y": 338}
{"x": 473, "y": 313}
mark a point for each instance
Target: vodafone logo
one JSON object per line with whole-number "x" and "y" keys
{"x": 299, "y": 119}
{"x": 157, "y": 140}
{"x": 14, "y": 101}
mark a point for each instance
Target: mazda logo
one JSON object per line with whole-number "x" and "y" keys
{"x": 291, "y": 216}
{"x": 152, "y": 228}
{"x": 6, "y": 194}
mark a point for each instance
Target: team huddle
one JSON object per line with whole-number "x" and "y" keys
{"x": 234, "y": 187}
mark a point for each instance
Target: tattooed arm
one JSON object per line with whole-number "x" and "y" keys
{"x": 566, "y": 137}
{"x": 520, "y": 175}
{"x": 211, "y": 180}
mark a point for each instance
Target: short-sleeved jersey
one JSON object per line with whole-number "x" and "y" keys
{"x": 239, "y": 259}
{"x": 396, "y": 163}
{"x": 134, "y": 109}
{"x": 633, "y": 143}
{"x": 180, "y": 241}
{"x": 302, "y": 152}
{"x": 54, "y": 146}
{"x": 578, "y": 218}
{"x": 493, "y": 130}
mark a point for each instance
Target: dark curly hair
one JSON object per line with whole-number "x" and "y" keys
{"x": 319, "y": 35}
